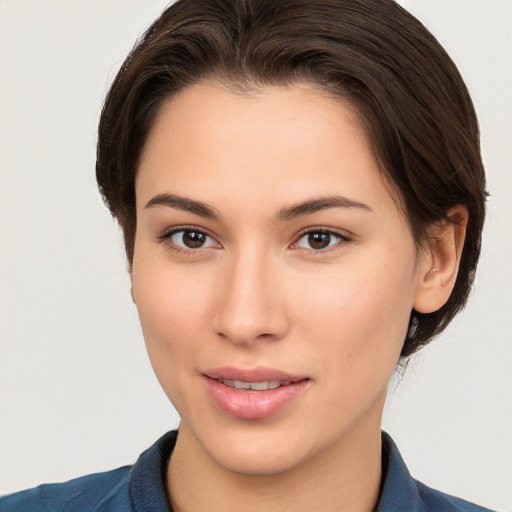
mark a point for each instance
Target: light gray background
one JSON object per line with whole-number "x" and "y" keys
{"x": 77, "y": 393}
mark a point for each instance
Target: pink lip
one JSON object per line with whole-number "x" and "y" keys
{"x": 249, "y": 404}
{"x": 257, "y": 374}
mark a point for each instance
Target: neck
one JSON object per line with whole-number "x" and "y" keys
{"x": 345, "y": 477}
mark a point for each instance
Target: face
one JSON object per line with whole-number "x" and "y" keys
{"x": 273, "y": 274}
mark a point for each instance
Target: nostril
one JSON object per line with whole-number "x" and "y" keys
{"x": 247, "y": 308}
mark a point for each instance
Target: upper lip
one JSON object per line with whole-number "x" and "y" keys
{"x": 257, "y": 374}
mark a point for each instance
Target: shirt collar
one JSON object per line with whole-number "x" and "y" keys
{"x": 148, "y": 476}
{"x": 399, "y": 490}
{"x": 148, "y": 479}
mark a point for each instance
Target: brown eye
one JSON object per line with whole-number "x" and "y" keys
{"x": 191, "y": 239}
{"x": 320, "y": 239}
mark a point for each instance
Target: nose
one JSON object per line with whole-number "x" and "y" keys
{"x": 251, "y": 305}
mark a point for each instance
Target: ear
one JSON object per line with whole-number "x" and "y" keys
{"x": 130, "y": 273}
{"x": 439, "y": 262}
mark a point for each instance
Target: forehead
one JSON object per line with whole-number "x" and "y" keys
{"x": 277, "y": 142}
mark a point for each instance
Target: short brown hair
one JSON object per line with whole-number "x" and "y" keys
{"x": 414, "y": 104}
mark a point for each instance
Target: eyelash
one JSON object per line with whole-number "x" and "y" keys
{"x": 166, "y": 238}
{"x": 342, "y": 238}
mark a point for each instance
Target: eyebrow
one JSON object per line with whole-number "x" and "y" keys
{"x": 185, "y": 204}
{"x": 285, "y": 214}
{"x": 315, "y": 205}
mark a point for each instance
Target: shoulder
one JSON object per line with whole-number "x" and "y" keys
{"x": 402, "y": 493}
{"x": 435, "y": 501}
{"x": 95, "y": 493}
{"x": 140, "y": 487}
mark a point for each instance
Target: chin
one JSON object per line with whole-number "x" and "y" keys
{"x": 257, "y": 461}
{"x": 263, "y": 449}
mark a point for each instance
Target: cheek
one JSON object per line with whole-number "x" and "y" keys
{"x": 359, "y": 319}
{"x": 172, "y": 314}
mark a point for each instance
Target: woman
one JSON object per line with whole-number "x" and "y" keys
{"x": 302, "y": 196}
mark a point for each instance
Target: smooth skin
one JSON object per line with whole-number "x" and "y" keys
{"x": 267, "y": 237}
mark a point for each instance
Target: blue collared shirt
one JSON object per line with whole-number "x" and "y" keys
{"x": 142, "y": 488}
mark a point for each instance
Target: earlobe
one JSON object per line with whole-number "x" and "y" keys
{"x": 439, "y": 262}
{"x": 130, "y": 273}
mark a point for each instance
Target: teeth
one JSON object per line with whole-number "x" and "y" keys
{"x": 267, "y": 384}
{"x": 255, "y": 386}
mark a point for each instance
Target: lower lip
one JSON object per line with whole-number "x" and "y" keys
{"x": 253, "y": 405}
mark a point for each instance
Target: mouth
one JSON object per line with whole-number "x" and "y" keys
{"x": 254, "y": 386}
{"x": 255, "y": 393}
{"x": 231, "y": 375}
